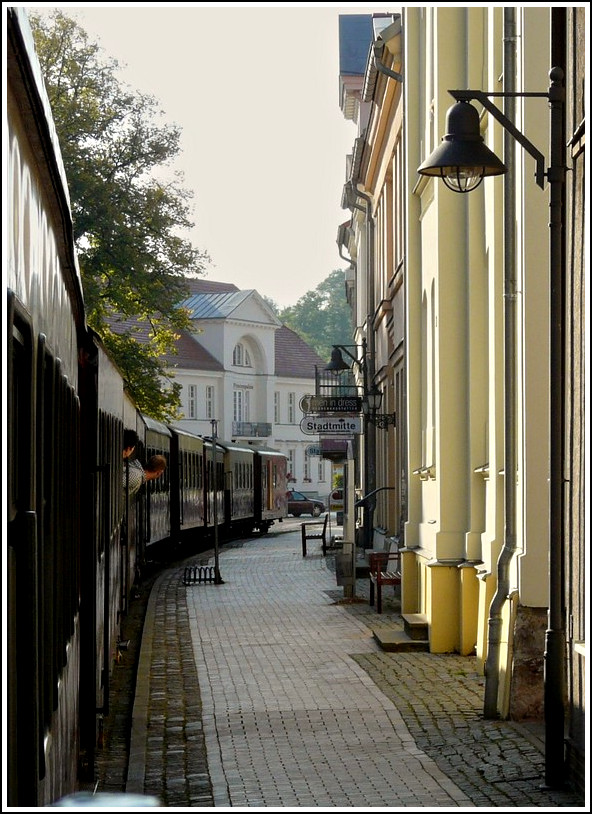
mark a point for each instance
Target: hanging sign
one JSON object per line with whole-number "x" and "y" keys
{"x": 331, "y": 404}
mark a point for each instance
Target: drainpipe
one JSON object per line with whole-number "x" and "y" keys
{"x": 369, "y": 371}
{"x": 380, "y": 66}
{"x": 492, "y": 664}
{"x": 343, "y": 257}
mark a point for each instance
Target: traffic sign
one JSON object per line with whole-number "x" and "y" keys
{"x": 313, "y": 451}
{"x": 330, "y": 425}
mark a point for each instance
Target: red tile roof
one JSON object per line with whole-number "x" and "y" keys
{"x": 190, "y": 354}
{"x": 293, "y": 357}
{"x": 193, "y": 356}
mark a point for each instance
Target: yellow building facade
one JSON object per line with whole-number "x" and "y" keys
{"x": 461, "y": 549}
{"x": 431, "y": 296}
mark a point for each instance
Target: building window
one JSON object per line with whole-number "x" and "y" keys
{"x": 191, "y": 401}
{"x": 306, "y": 466}
{"x": 291, "y": 464}
{"x": 321, "y": 471}
{"x": 241, "y": 405}
{"x": 240, "y": 356}
{"x": 276, "y": 408}
{"x": 291, "y": 408}
{"x": 210, "y": 402}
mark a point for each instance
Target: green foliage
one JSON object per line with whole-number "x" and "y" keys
{"x": 322, "y": 317}
{"x": 127, "y": 219}
{"x": 141, "y": 365}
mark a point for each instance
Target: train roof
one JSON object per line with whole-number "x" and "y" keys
{"x": 270, "y": 451}
{"x": 156, "y": 426}
{"x": 230, "y": 445}
{"x": 185, "y": 433}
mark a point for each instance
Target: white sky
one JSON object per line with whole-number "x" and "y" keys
{"x": 255, "y": 90}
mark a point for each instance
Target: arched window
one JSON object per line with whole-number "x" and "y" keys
{"x": 240, "y": 356}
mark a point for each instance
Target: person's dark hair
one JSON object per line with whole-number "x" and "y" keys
{"x": 130, "y": 438}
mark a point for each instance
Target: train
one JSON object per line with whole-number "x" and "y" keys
{"x": 76, "y": 541}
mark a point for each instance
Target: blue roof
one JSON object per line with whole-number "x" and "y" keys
{"x": 355, "y": 36}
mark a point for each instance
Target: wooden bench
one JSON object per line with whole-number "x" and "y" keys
{"x": 319, "y": 535}
{"x": 385, "y": 569}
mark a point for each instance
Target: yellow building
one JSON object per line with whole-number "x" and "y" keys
{"x": 451, "y": 295}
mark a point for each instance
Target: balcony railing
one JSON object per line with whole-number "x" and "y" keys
{"x": 251, "y": 429}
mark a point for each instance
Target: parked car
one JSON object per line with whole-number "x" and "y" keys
{"x": 300, "y": 504}
{"x": 336, "y": 500}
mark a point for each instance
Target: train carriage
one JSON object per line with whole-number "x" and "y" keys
{"x": 214, "y": 487}
{"x": 187, "y": 485}
{"x": 270, "y": 488}
{"x": 239, "y": 486}
{"x": 111, "y": 560}
{"x": 46, "y": 329}
{"x": 156, "y": 493}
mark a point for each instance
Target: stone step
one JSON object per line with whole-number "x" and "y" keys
{"x": 394, "y": 640}
{"x": 416, "y": 626}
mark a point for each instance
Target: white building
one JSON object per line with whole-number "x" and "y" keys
{"x": 241, "y": 367}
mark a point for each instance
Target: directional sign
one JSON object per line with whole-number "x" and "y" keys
{"x": 330, "y": 425}
{"x": 331, "y": 404}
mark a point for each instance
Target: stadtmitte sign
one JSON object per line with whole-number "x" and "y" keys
{"x": 320, "y": 424}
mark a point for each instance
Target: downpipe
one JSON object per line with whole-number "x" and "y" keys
{"x": 492, "y": 663}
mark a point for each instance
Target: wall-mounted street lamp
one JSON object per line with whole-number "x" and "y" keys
{"x": 337, "y": 366}
{"x": 371, "y": 397}
{"x": 371, "y": 405}
{"x": 462, "y": 161}
{"x": 371, "y": 401}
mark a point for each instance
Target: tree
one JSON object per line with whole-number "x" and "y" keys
{"x": 322, "y": 317}
{"x": 127, "y": 219}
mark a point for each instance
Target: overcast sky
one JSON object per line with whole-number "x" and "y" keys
{"x": 255, "y": 90}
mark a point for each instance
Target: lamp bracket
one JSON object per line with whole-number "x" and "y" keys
{"x": 360, "y": 362}
{"x": 483, "y": 97}
{"x": 383, "y": 420}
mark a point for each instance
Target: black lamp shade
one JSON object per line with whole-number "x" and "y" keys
{"x": 374, "y": 399}
{"x": 337, "y": 364}
{"x": 462, "y": 160}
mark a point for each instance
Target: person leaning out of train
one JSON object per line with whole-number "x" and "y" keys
{"x": 135, "y": 475}
{"x": 133, "y": 472}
